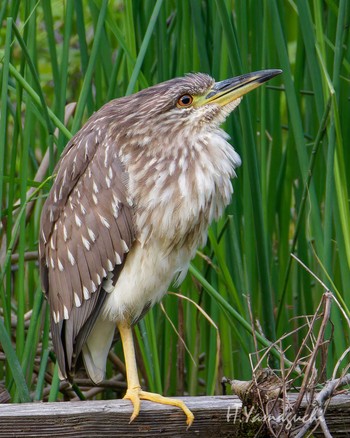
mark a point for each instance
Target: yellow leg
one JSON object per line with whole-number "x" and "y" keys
{"x": 134, "y": 391}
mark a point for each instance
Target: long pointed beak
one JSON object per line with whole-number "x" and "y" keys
{"x": 229, "y": 90}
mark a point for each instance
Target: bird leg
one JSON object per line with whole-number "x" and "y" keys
{"x": 134, "y": 392}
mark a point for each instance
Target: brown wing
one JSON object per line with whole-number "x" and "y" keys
{"x": 85, "y": 232}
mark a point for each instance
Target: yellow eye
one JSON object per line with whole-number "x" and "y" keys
{"x": 185, "y": 101}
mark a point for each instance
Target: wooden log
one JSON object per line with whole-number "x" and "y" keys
{"x": 216, "y": 416}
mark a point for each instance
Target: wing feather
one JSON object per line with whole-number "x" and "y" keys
{"x": 86, "y": 229}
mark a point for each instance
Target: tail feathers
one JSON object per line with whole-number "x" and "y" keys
{"x": 96, "y": 349}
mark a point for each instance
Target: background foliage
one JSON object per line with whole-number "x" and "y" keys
{"x": 291, "y": 194}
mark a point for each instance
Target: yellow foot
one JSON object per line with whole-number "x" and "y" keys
{"x": 136, "y": 394}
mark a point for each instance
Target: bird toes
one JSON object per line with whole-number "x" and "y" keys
{"x": 157, "y": 398}
{"x": 133, "y": 394}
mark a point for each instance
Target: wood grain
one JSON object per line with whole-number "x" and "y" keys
{"x": 216, "y": 416}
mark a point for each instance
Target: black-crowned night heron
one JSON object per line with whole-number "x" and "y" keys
{"x": 135, "y": 191}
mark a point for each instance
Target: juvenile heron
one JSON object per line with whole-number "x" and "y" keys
{"x": 135, "y": 191}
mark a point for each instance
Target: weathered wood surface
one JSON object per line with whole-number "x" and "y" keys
{"x": 214, "y": 417}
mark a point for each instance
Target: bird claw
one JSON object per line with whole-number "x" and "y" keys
{"x": 136, "y": 394}
{"x": 133, "y": 394}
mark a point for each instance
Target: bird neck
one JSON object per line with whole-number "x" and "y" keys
{"x": 180, "y": 187}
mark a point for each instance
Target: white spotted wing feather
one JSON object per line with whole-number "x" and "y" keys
{"x": 86, "y": 230}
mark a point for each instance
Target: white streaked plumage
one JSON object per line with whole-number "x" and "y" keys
{"x": 209, "y": 178}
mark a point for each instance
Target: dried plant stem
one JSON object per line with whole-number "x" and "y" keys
{"x": 319, "y": 406}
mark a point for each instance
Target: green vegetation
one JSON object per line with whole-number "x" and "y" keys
{"x": 291, "y": 194}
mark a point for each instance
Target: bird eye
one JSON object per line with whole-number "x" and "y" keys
{"x": 185, "y": 101}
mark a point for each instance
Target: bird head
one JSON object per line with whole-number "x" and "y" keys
{"x": 184, "y": 106}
